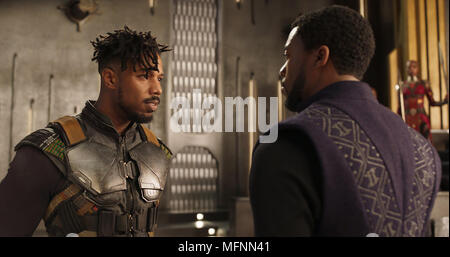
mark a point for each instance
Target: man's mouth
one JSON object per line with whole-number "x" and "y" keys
{"x": 152, "y": 102}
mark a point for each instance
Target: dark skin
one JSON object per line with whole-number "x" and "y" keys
{"x": 139, "y": 93}
{"x": 316, "y": 66}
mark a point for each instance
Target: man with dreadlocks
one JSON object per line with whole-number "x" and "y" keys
{"x": 100, "y": 173}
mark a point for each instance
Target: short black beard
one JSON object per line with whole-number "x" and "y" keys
{"x": 132, "y": 116}
{"x": 294, "y": 97}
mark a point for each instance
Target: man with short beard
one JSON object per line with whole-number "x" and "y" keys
{"x": 100, "y": 173}
{"x": 344, "y": 165}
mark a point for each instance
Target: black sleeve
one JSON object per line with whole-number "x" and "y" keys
{"x": 26, "y": 191}
{"x": 285, "y": 187}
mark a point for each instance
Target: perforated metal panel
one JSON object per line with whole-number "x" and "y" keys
{"x": 194, "y": 64}
{"x": 193, "y": 180}
{"x": 194, "y": 174}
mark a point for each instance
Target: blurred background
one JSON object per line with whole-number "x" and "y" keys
{"x": 226, "y": 48}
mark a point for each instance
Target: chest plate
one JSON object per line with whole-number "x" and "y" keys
{"x": 101, "y": 170}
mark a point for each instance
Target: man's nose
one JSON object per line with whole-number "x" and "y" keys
{"x": 155, "y": 88}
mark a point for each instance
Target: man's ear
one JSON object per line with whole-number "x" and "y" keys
{"x": 109, "y": 78}
{"x": 322, "y": 56}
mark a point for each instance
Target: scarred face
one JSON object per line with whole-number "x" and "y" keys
{"x": 139, "y": 92}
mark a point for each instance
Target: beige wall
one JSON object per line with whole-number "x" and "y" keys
{"x": 421, "y": 26}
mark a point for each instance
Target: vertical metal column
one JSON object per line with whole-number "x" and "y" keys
{"x": 194, "y": 62}
{"x": 193, "y": 182}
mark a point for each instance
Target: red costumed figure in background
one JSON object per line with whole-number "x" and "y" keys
{"x": 414, "y": 91}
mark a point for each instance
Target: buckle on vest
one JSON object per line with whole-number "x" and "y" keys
{"x": 152, "y": 217}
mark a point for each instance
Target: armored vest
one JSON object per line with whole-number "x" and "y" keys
{"x": 113, "y": 186}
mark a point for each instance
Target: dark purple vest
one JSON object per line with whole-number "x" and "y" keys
{"x": 378, "y": 175}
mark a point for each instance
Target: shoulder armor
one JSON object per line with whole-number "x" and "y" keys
{"x": 151, "y": 138}
{"x": 147, "y": 135}
{"x": 53, "y": 139}
{"x": 47, "y": 140}
{"x": 166, "y": 149}
{"x": 71, "y": 130}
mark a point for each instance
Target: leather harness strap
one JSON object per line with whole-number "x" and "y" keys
{"x": 72, "y": 129}
{"x": 150, "y": 136}
{"x": 75, "y": 134}
{"x": 61, "y": 197}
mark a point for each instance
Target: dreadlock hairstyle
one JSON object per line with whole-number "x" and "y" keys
{"x": 347, "y": 34}
{"x": 126, "y": 45}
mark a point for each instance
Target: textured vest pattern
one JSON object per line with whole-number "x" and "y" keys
{"x": 371, "y": 177}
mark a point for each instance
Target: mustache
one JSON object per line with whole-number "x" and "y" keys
{"x": 154, "y": 99}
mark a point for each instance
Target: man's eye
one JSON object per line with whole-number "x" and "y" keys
{"x": 160, "y": 79}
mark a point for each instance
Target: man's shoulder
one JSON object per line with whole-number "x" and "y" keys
{"x": 289, "y": 142}
{"x": 150, "y": 137}
{"x": 47, "y": 140}
{"x": 309, "y": 117}
{"x": 165, "y": 148}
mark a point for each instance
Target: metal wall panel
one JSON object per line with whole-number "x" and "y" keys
{"x": 194, "y": 175}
